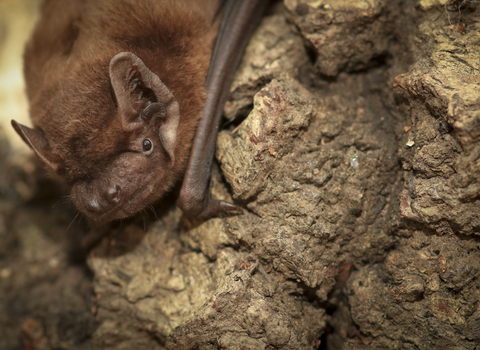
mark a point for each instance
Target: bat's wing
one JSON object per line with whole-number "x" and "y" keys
{"x": 239, "y": 20}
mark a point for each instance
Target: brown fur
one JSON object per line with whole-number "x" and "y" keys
{"x": 68, "y": 83}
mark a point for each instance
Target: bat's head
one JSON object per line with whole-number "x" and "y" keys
{"x": 116, "y": 167}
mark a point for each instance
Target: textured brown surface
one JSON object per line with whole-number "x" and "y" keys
{"x": 361, "y": 193}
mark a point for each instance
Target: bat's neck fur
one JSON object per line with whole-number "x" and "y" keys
{"x": 68, "y": 79}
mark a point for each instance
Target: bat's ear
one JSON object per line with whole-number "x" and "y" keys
{"x": 37, "y": 141}
{"x": 132, "y": 81}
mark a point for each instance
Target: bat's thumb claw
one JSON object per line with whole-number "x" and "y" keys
{"x": 229, "y": 208}
{"x": 204, "y": 209}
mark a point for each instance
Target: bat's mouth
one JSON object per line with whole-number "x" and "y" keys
{"x": 111, "y": 204}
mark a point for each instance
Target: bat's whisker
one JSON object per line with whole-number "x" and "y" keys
{"x": 72, "y": 221}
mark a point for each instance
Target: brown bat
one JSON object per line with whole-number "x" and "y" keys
{"x": 119, "y": 90}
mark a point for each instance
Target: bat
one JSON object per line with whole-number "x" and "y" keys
{"x": 126, "y": 98}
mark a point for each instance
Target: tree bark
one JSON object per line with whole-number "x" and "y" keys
{"x": 354, "y": 147}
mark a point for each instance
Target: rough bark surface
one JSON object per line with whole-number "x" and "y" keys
{"x": 354, "y": 145}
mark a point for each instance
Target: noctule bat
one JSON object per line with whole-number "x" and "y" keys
{"x": 119, "y": 90}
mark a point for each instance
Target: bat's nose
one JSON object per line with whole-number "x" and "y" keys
{"x": 94, "y": 206}
{"x": 111, "y": 198}
{"x": 113, "y": 194}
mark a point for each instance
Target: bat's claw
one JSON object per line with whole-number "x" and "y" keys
{"x": 229, "y": 208}
{"x": 206, "y": 209}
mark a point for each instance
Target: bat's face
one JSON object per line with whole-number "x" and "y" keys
{"x": 118, "y": 169}
{"x": 132, "y": 178}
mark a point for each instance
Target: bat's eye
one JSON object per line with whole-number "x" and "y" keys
{"x": 147, "y": 146}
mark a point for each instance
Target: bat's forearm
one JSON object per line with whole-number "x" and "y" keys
{"x": 239, "y": 21}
